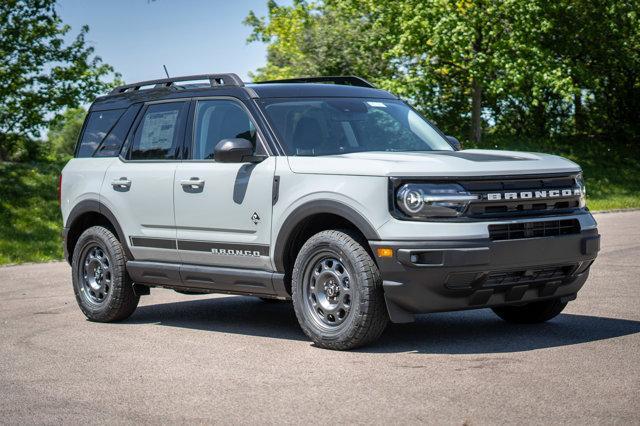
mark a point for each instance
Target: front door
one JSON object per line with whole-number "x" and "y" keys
{"x": 138, "y": 188}
{"x": 223, "y": 210}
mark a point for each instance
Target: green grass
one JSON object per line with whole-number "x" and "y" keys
{"x": 30, "y": 221}
{"x": 611, "y": 172}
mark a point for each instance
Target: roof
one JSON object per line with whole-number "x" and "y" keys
{"x": 315, "y": 90}
{"x": 231, "y": 85}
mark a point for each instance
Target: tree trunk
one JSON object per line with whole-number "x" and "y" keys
{"x": 476, "y": 112}
{"x": 578, "y": 113}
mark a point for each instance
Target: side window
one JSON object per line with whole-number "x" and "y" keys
{"x": 159, "y": 132}
{"x": 216, "y": 120}
{"x": 98, "y": 125}
{"x": 112, "y": 144}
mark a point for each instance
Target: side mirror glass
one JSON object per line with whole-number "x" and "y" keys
{"x": 236, "y": 150}
{"x": 454, "y": 142}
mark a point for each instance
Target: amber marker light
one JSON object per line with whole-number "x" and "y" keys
{"x": 384, "y": 252}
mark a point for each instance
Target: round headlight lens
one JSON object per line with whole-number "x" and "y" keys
{"x": 430, "y": 200}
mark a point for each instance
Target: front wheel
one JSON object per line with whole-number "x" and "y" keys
{"x": 101, "y": 284}
{"x": 337, "y": 292}
{"x": 531, "y": 313}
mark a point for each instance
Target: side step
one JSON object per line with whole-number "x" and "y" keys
{"x": 210, "y": 279}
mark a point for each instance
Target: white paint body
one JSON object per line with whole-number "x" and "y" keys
{"x": 156, "y": 206}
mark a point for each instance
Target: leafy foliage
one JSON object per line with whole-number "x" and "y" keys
{"x": 30, "y": 219}
{"x": 64, "y": 131}
{"x": 511, "y": 67}
{"x": 40, "y": 73}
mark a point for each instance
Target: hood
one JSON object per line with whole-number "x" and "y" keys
{"x": 469, "y": 162}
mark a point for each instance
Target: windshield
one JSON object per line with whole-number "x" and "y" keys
{"x": 342, "y": 125}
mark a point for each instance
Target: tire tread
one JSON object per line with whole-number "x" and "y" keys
{"x": 373, "y": 317}
{"x": 124, "y": 301}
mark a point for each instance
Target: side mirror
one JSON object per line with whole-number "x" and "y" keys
{"x": 233, "y": 150}
{"x": 454, "y": 142}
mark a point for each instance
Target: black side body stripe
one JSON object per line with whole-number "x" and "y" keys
{"x": 161, "y": 243}
{"x": 204, "y": 246}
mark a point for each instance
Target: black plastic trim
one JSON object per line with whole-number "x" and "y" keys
{"x": 447, "y": 275}
{"x": 209, "y": 279}
{"x": 318, "y": 207}
{"x": 89, "y": 206}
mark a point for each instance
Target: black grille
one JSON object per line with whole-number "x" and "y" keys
{"x": 547, "y": 228}
{"x": 521, "y": 207}
{"x": 545, "y": 274}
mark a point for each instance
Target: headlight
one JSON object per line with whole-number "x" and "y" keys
{"x": 583, "y": 190}
{"x": 433, "y": 200}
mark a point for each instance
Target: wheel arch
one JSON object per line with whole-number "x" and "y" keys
{"x": 86, "y": 214}
{"x": 336, "y": 212}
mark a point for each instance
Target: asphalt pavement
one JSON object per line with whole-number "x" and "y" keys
{"x": 227, "y": 359}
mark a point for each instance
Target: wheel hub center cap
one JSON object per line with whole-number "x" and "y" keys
{"x": 331, "y": 288}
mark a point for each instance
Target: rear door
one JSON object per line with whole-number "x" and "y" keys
{"x": 224, "y": 217}
{"x": 138, "y": 187}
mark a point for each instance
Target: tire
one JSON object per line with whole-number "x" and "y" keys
{"x": 337, "y": 292}
{"x": 101, "y": 284}
{"x": 531, "y": 313}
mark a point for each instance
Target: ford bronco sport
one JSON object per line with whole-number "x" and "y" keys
{"x": 324, "y": 190}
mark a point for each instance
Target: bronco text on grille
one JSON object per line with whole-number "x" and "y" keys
{"x": 524, "y": 196}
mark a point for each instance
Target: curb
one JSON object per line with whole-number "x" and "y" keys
{"x": 632, "y": 209}
{"x": 8, "y": 265}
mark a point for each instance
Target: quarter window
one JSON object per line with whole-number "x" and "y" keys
{"x": 159, "y": 133}
{"x": 99, "y": 123}
{"x": 217, "y": 120}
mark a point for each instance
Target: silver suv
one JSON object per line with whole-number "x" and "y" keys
{"x": 325, "y": 191}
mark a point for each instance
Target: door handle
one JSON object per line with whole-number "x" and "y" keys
{"x": 122, "y": 184}
{"x": 192, "y": 184}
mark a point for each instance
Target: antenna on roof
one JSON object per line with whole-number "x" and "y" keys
{"x": 165, "y": 70}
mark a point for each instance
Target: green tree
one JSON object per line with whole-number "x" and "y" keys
{"x": 598, "y": 44}
{"x": 65, "y": 129}
{"x": 309, "y": 39}
{"x": 523, "y": 67}
{"x": 40, "y": 73}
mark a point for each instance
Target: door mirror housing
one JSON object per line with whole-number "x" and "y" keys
{"x": 454, "y": 142}
{"x": 236, "y": 150}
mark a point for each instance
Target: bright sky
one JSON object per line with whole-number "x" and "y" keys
{"x": 188, "y": 36}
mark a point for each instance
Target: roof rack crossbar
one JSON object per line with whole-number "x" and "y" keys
{"x": 348, "y": 80}
{"x": 215, "y": 80}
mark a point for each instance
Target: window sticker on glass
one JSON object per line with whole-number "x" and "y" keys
{"x": 157, "y": 131}
{"x": 376, "y": 104}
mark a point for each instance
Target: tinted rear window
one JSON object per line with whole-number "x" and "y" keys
{"x": 98, "y": 125}
{"x": 112, "y": 144}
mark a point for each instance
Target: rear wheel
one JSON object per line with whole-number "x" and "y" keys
{"x": 101, "y": 284}
{"x": 531, "y": 313}
{"x": 337, "y": 292}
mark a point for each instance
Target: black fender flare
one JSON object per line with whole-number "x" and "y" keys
{"x": 315, "y": 207}
{"x": 94, "y": 206}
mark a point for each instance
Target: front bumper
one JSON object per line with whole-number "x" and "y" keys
{"x": 435, "y": 276}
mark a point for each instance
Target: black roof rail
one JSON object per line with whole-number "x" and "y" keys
{"x": 215, "y": 80}
{"x": 347, "y": 80}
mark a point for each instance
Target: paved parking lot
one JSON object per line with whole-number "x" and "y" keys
{"x": 224, "y": 359}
